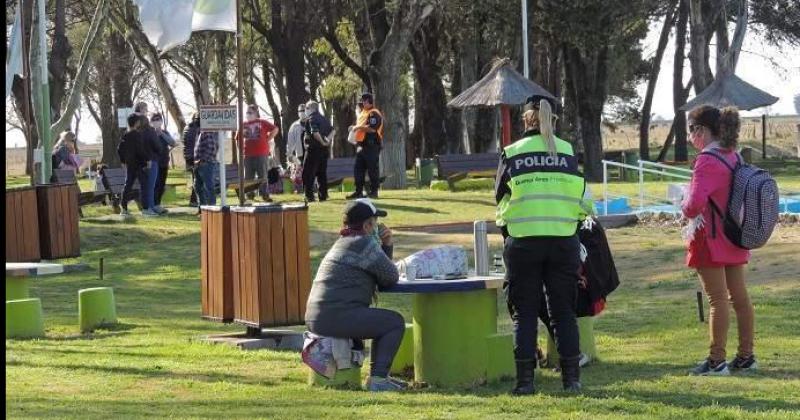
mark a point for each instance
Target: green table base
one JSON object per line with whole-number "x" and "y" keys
{"x": 345, "y": 379}
{"x": 586, "y": 337}
{"x": 24, "y": 318}
{"x": 404, "y": 359}
{"x": 17, "y": 288}
{"x": 455, "y": 338}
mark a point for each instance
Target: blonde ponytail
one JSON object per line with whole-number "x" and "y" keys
{"x": 546, "y": 127}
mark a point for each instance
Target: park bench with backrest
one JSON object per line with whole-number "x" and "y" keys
{"x": 232, "y": 181}
{"x": 67, "y": 176}
{"x": 454, "y": 168}
{"x": 113, "y": 180}
{"x": 340, "y": 169}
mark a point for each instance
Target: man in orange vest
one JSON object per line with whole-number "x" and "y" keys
{"x": 369, "y": 139}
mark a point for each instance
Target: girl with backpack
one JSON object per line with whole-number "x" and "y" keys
{"x": 719, "y": 262}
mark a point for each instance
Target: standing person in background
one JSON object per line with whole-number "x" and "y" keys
{"x": 153, "y": 146}
{"x": 205, "y": 164}
{"x": 141, "y": 108}
{"x": 165, "y": 145}
{"x": 295, "y": 151}
{"x": 136, "y": 157}
{"x": 540, "y": 200}
{"x": 720, "y": 263}
{"x": 369, "y": 138}
{"x": 190, "y": 134}
{"x": 317, "y": 144}
{"x": 259, "y": 142}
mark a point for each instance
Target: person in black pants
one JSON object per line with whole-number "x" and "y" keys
{"x": 136, "y": 158}
{"x": 190, "y": 134}
{"x": 165, "y": 145}
{"x": 369, "y": 138}
{"x": 315, "y": 164}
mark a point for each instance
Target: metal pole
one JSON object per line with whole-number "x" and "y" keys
{"x": 223, "y": 183}
{"x": 239, "y": 99}
{"x": 605, "y": 188}
{"x": 641, "y": 187}
{"x": 525, "y": 38}
{"x": 764, "y": 136}
{"x": 26, "y": 83}
{"x": 44, "y": 135}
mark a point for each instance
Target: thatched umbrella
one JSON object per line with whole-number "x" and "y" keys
{"x": 502, "y": 86}
{"x": 730, "y": 90}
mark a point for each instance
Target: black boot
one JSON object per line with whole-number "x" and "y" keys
{"x": 571, "y": 373}
{"x": 525, "y": 378}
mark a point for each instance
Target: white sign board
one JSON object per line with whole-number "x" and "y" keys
{"x": 218, "y": 118}
{"x": 122, "y": 117}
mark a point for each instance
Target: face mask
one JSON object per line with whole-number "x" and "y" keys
{"x": 251, "y": 116}
{"x": 308, "y": 113}
{"x": 157, "y": 124}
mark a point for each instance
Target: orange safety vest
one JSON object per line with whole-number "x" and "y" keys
{"x": 362, "y": 120}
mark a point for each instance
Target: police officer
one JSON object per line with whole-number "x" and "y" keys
{"x": 317, "y": 130}
{"x": 369, "y": 138}
{"x": 539, "y": 194}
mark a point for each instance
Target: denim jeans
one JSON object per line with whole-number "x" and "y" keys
{"x": 204, "y": 176}
{"x": 149, "y": 187}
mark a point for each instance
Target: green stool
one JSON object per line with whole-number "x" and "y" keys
{"x": 586, "y": 337}
{"x": 342, "y": 379}
{"x": 24, "y": 318}
{"x": 96, "y": 308}
{"x": 404, "y": 359}
{"x": 17, "y": 288}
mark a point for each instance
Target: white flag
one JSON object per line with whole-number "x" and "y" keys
{"x": 170, "y": 24}
{"x": 14, "y": 57}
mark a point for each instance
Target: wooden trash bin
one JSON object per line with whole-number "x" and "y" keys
{"x": 272, "y": 265}
{"x": 22, "y": 225}
{"x": 216, "y": 278}
{"x": 58, "y": 221}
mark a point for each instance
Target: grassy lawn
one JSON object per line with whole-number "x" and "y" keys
{"x": 153, "y": 366}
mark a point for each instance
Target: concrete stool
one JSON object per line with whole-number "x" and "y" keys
{"x": 17, "y": 288}
{"x": 501, "y": 357}
{"x": 96, "y": 308}
{"x": 342, "y": 379}
{"x": 404, "y": 359}
{"x": 586, "y": 337}
{"x": 24, "y": 318}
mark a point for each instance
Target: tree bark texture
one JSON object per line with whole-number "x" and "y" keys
{"x": 431, "y": 101}
{"x": 679, "y": 93}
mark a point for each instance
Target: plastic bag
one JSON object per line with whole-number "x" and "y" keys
{"x": 443, "y": 260}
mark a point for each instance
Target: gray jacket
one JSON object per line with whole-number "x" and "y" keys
{"x": 349, "y": 275}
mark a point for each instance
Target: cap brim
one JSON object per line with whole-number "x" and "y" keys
{"x": 380, "y": 213}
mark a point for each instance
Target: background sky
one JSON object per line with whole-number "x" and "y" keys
{"x": 774, "y": 70}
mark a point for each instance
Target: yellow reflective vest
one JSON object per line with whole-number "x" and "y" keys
{"x": 547, "y": 192}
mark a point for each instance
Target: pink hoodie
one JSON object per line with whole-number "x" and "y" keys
{"x": 712, "y": 180}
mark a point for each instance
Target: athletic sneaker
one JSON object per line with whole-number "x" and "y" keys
{"x": 160, "y": 210}
{"x": 706, "y": 368}
{"x": 125, "y": 213}
{"x": 585, "y": 359}
{"x": 402, "y": 384}
{"x": 149, "y": 213}
{"x": 744, "y": 363}
{"x": 379, "y": 384}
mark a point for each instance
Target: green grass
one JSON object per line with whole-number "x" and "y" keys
{"x": 153, "y": 366}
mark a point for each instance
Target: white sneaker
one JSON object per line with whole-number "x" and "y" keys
{"x": 585, "y": 359}
{"x": 149, "y": 213}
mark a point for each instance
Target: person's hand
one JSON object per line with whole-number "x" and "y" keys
{"x": 385, "y": 234}
{"x": 358, "y": 149}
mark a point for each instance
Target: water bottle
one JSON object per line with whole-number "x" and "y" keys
{"x": 481, "y": 244}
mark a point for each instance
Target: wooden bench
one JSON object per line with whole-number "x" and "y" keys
{"x": 113, "y": 180}
{"x": 67, "y": 176}
{"x": 454, "y": 168}
{"x": 232, "y": 181}
{"x": 340, "y": 169}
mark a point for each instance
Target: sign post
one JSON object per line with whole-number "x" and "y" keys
{"x": 219, "y": 118}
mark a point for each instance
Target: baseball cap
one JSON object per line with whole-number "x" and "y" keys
{"x": 360, "y": 210}
{"x": 366, "y": 96}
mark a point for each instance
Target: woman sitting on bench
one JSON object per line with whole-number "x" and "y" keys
{"x": 346, "y": 284}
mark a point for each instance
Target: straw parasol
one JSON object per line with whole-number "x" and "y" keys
{"x": 730, "y": 90}
{"x": 501, "y": 87}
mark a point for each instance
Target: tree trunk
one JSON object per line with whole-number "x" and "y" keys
{"x": 701, "y": 21}
{"x": 679, "y": 93}
{"x": 587, "y": 81}
{"x": 343, "y": 116}
{"x": 644, "y": 124}
{"x": 432, "y": 103}
{"x": 59, "y": 57}
{"x": 122, "y": 84}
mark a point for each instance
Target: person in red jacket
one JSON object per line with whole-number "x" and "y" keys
{"x": 720, "y": 263}
{"x": 259, "y": 142}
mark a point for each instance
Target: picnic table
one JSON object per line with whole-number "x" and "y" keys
{"x": 456, "y": 343}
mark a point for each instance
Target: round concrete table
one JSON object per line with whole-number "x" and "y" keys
{"x": 455, "y": 331}
{"x": 18, "y": 277}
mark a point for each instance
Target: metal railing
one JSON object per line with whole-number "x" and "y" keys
{"x": 661, "y": 170}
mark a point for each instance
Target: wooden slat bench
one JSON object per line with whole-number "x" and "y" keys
{"x": 67, "y": 176}
{"x": 232, "y": 181}
{"x": 113, "y": 180}
{"x": 456, "y": 167}
{"x": 340, "y": 169}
